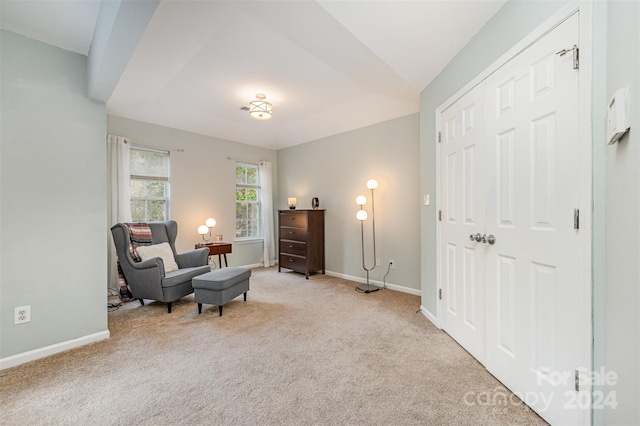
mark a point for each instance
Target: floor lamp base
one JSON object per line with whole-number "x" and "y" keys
{"x": 367, "y": 288}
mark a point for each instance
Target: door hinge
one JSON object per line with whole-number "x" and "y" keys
{"x": 576, "y": 218}
{"x": 439, "y": 137}
{"x": 577, "y": 380}
{"x": 440, "y": 294}
{"x": 440, "y": 215}
{"x": 576, "y": 55}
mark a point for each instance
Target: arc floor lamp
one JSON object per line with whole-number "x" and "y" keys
{"x": 361, "y": 215}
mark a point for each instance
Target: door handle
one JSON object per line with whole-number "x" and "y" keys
{"x": 475, "y": 237}
{"x": 491, "y": 239}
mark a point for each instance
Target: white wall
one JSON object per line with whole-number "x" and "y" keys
{"x": 202, "y": 181}
{"x": 336, "y": 170}
{"x": 53, "y": 199}
{"x": 621, "y": 338}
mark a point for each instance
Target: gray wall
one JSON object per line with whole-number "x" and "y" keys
{"x": 202, "y": 181}
{"x": 336, "y": 170}
{"x": 513, "y": 22}
{"x": 621, "y": 341}
{"x": 53, "y": 197}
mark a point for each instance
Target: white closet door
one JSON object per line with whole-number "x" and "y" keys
{"x": 463, "y": 198}
{"x": 534, "y": 271}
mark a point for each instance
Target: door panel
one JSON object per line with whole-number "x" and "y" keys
{"x": 463, "y": 215}
{"x": 533, "y": 272}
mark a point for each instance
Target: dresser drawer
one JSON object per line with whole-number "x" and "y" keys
{"x": 293, "y": 219}
{"x": 292, "y": 247}
{"x": 295, "y": 234}
{"x": 296, "y": 263}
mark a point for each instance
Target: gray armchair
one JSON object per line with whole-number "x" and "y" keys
{"x": 147, "y": 279}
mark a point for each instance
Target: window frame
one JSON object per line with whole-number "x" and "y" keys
{"x": 145, "y": 179}
{"x": 257, "y": 202}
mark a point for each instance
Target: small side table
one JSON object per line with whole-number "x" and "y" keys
{"x": 219, "y": 249}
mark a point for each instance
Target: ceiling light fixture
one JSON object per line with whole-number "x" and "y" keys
{"x": 260, "y": 109}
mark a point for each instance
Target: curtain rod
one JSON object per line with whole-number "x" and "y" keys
{"x": 246, "y": 162}
{"x": 168, "y": 148}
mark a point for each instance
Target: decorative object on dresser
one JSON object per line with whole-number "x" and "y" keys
{"x": 362, "y": 215}
{"x": 292, "y": 203}
{"x": 315, "y": 203}
{"x": 301, "y": 243}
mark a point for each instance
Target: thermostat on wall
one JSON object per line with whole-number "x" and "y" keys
{"x": 618, "y": 116}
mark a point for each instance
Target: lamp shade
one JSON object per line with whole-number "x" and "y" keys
{"x": 292, "y": 201}
{"x": 361, "y": 200}
{"x": 361, "y": 215}
{"x": 372, "y": 184}
{"x": 203, "y": 230}
{"x": 211, "y": 222}
{"x": 260, "y": 109}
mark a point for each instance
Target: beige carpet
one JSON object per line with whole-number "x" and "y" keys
{"x": 297, "y": 352}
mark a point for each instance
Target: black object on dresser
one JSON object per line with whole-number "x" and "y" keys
{"x": 301, "y": 241}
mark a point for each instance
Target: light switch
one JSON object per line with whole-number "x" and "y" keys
{"x": 426, "y": 200}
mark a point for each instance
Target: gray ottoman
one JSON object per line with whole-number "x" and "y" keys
{"x": 220, "y": 286}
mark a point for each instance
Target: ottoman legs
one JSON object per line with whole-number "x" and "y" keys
{"x": 219, "y": 306}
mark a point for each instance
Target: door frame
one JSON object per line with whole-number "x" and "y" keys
{"x": 585, "y": 134}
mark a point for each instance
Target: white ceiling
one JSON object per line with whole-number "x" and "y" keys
{"x": 327, "y": 66}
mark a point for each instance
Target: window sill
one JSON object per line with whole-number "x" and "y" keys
{"x": 249, "y": 241}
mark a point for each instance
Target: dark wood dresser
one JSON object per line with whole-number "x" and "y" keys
{"x": 301, "y": 240}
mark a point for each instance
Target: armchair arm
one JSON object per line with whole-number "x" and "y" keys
{"x": 154, "y": 262}
{"x": 193, "y": 258}
{"x": 145, "y": 278}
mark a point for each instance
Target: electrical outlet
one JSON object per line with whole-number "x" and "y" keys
{"x": 377, "y": 261}
{"x": 22, "y": 315}
{"x": 392, "y": 264}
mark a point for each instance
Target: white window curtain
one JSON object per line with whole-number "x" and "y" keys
{"x": 118, "y": 199}
{"x": 269, "y": 252}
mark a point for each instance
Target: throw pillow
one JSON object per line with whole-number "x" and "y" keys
{"x": 163, "y": 251}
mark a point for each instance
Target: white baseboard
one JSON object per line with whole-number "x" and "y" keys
{"x": 14, "y": 360}
{"x": 429, "y": 316}
{"x": 395, "y": 287}
{"x": 255, "y": 265}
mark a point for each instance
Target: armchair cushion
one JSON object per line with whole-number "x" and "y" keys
{"x": 185, "y": 274}
{"x": 163, "y": 251}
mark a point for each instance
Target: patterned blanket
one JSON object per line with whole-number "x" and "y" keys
{"x": 139, "y": 235}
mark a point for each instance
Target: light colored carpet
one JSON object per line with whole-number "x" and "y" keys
{"x": 297, "y": 352}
